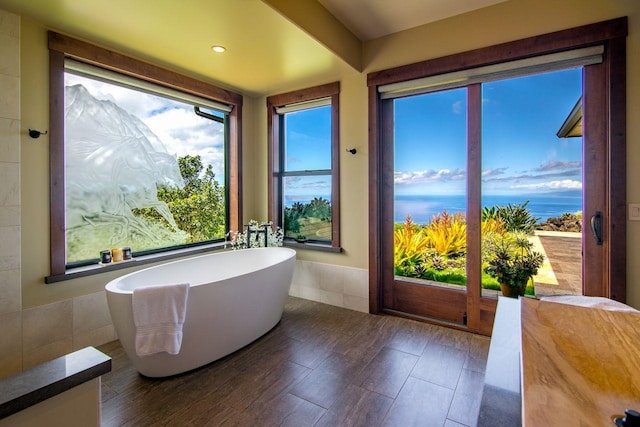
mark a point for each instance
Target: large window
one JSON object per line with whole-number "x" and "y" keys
{"x": 147, "y": 161}
{"x": 303, "y": 149}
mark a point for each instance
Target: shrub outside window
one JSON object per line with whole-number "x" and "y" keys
{"x": 304, "y": 164}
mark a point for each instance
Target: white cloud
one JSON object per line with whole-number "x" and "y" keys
{"x": 558, "y": 165}
{"x": 493, "y": 172}
{"x": 428, "y": 176}
{"x": 181, "y": 131}
{"x": 565, "y": 184}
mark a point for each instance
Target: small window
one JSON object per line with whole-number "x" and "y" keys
{"x": 304, "y": 169}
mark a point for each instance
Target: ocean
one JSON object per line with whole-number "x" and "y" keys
{"x": 422, "y": 207}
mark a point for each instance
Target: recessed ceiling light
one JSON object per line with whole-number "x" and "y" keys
{"x": 218, "y": 48}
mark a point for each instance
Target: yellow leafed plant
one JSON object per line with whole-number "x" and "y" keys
{"x": 447, "y": 234}
{"x": 493, "y": 225}
{"x": 409, "y": 243}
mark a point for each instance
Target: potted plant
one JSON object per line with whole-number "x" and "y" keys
{"x": 513, "y": 263}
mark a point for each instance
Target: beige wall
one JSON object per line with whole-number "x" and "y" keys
{"x": 72, "y": 300}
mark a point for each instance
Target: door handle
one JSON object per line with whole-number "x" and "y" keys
{"x": 596, "y": 227}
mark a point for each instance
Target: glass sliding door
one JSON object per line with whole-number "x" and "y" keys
{"x": 532, "y": 176}
{"x": 476, "y": 168}
{"x": 430, "y": 188}
{"x": 430, "y": 202}
{"x": 545, "y": 138}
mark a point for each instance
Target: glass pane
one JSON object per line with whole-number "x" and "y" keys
{"x": 308, "y": 140}
{"x": 532, "y": 181}
{"x": 307, "y": 207}
{"x": 430, "y": 187}
{"x": 141, "y": 171}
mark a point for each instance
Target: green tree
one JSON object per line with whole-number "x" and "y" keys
{"x": 198, "y": 208}
{"x": 318, "y": 208}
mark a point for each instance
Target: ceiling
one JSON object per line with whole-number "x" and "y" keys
{"x": 270, "y": 43}
{"x": 370, "y": 19}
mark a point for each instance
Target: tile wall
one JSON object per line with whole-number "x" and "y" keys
{"x": 332, "y": 284}
{"x": 10, "y": 296}
{"x": 34, "y": 335}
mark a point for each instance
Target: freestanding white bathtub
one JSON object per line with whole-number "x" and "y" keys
{"x": 235, "y": 297}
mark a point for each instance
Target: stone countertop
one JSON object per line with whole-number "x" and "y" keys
{"x": 580, "y": 365}
{"x": 501, "y": 398}
{"x": 41, "y": 382}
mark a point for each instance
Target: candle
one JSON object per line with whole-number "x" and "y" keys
{"x": 116, "y": 254}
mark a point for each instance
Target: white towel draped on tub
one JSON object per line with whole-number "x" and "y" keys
{"x": 158, "y": 313}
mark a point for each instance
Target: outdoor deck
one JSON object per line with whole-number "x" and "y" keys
{"x": 561, "y": 273}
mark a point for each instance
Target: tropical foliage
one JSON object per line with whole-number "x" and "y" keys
{"x": 515, "y": 218}
{"x": 514, "y": 261}
{"x": 437, "y": 251}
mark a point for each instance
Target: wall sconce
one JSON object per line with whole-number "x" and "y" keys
{"x": 35, "y": 134}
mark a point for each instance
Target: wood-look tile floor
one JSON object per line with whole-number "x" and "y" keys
{"x": 320, "y": 366}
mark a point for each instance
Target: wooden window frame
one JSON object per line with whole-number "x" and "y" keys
{"x": 62, "y": 47}
{"x": 612, "y": 34}
{"x": 274, "y": 152}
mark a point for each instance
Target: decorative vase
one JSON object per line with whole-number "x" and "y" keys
{"x": 512, "y": 291}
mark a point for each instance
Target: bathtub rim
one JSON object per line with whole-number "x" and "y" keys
{"x": 113, "y": 285}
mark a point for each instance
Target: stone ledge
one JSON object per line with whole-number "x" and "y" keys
{"x": 27, "y": 388}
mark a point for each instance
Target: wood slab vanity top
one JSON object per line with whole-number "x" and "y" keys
{"x": 580, "y": 366}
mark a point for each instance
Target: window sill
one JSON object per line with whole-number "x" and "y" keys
{"x": 91, "y": 270}
{"x": 322, "y": 247}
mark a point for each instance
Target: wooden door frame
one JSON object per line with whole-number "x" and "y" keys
{"x": 612, "y": 105}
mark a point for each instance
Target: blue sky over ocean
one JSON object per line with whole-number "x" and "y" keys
{"x": 521, "y": 153}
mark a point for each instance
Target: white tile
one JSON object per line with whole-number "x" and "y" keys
{"x": 9, "y": 184}
{"x": 332, "y": 298}
{"x": 9, "y": 55}
{"x": 90, "y": 312}
{"x": 9, "y": 248}
{"x": 9, "y": 215}
{"x": 9, "y": 140}
{"x": 94, "y": 337}
{"x": 294, "y": 291}
{"x": 356, "y": 282}
{"x": 9, "y": 24}
{"x": 10, "y": 291}
{"x": 35, "y": 356}
{"x": 356, "y": 303}
{"x": 331, "y": 277}
{"x": 305, "y": 274}
{"x": 312, "y": 294}
{"x": 11, "y": 336}
{"x": 10, "y": 344}
{"x": 50, "y": 324}
{"x": 10, "y": 99}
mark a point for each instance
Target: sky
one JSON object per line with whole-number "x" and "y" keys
{"x": 521, "y": 153}
{"x": 181, "y": 131}
{"x": 308, "y": 147}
